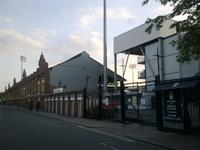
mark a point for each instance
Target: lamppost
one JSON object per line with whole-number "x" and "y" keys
{"x": 105, "y": 47}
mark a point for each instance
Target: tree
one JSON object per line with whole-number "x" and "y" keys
{"x": 189, "y": 44}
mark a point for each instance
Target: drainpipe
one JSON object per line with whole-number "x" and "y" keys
{"x": 115, "y": 72}
{"x": 161, "y": 50}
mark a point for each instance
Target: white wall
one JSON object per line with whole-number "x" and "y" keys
{"x": 173, "y": 69}
{"x": 151, "y": 61}
{"x": 171, "y": 66}
{"x": 189, "y": 69}
{"x": 73, "y": 73}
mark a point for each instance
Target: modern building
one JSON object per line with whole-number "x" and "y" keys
{"x": 177, "y": 95}
{"x": 159, "y": 55}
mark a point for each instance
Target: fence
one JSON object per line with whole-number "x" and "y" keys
{"x": 68, "y": 104}
{"x": 97, "y": 105}
{"x": 134, "y": 102}
{"x": 92, "y": 104}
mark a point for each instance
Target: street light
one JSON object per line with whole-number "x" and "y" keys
{"x": 105, "y": 47}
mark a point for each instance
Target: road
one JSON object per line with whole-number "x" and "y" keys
{"x": 23, "y": 130}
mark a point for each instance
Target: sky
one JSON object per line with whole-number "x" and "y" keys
{"x": 61, "y": 29}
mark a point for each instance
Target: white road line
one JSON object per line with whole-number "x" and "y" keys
{"x": 104, "y": 144}
{"x": 113, "y": 148}
{"x": 107, "y": 134}
{"x": 110, "y": 147}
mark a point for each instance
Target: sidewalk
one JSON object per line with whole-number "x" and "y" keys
{"x": 136, "y": 132}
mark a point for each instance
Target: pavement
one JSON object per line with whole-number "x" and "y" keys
{"x": 133, "y": 131}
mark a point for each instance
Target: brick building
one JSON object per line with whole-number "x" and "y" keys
{"x": 35, "y": 84}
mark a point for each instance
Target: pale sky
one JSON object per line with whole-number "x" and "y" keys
{"x": 63, "y": 28}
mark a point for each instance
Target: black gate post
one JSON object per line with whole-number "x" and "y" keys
{"x": 186, "y": 118}
{"x": 122, "y": 96}
{"x": 138, "y": 102}
{"x": 84, "y": 102}
{"x": 159, "y": 109}
{"x": 100, "y": 102}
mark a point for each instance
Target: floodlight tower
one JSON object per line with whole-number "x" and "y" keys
{"x": 105, "y": 47}
{"x": 23, "y": 59}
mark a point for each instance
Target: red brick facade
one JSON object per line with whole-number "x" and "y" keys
{"x": 35, "y": 84}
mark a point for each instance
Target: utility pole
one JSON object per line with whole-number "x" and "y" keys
{"x": 23, "y": 59}
{"x": 105, "y": 47}
{"x": 158, "y": 63}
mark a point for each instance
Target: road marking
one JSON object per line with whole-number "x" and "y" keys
{"x": 107, "y": 134}
{"x": 104, "y": 144}
{"x": 113, "y": 148}
{"x": 110, "y": 147}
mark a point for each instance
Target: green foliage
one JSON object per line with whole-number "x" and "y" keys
{"x": 189, "y": 44}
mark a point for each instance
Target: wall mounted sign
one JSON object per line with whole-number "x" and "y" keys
{"x": 172, "y": 106}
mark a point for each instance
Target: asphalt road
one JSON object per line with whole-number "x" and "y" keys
{"x": 23, "y": 130}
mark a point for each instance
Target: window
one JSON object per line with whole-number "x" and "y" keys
{"x": 38, "y": 86}
{"x": 42, "y": 85}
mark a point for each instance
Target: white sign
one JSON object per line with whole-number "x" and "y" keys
{"x": 105, "y": 101}
{"x": 66, "y": 98}
{"x": 148, "y": 93}
{"x": 58, "y": 90}
{"x": 79, "y": 97}
{"x": 72, "y": 98}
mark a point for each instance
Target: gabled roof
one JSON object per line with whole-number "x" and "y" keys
{"x": 84, "y": 53}
{"x": 74, "y": 57}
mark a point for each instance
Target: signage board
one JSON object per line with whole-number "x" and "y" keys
{"x": 58, "y": 90}
{"x": 172, "y": 107}
{"x": 66, "y": 98}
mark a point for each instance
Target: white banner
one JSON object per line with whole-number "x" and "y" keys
{"x": 72, "y": 97}
{"x": 56, "y": 98}
{"x": 66, "y": 98}
{"x": 79, "y": 97}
